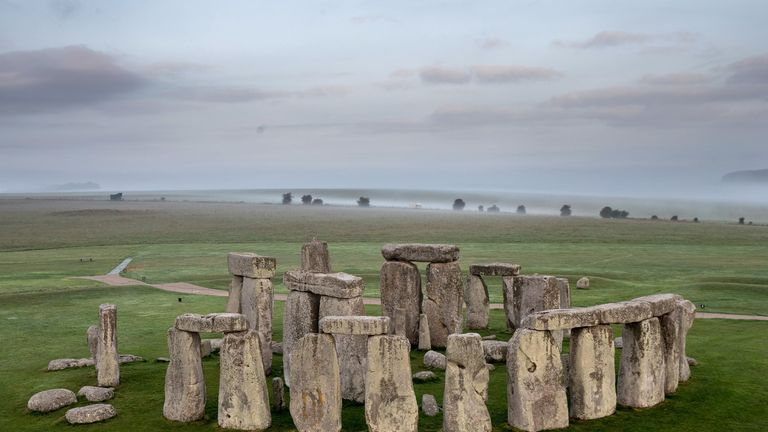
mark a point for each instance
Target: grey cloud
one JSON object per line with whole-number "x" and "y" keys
{"x": 221, "y": 94}
{"x": 607, "y": 39}
{"x": 751, "y": 70}
{"x": 492, "y": 74}
{"x": 443, "y": 75}
{"x": 624, "y": 96}
{"x": 54, "y": 78}
{"x": 677, "y": 79}
{"x": 64, "y": 9}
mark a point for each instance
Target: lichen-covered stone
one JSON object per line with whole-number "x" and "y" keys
{"x": 466, "y": 385}
{"x": 494, "y": 269}
{"x": 435, "y": 360}
{"x": 687, "y": 315}
{"x": 508, "y": 290}
{"x": 390, "y": 402}
{"x": 51, "y": 400}
{"x": 355, "y": 325}
{"x": 400, "y": 286}
{"x": 251, "y": 265}
{"x": 235, "y": 289}
{"x": 211, "y": 323}
{"x": 278, "y": 394}
{"x": 478, "y": 305}
{"x": 429, "y": 405}
{"x": 339, "y": 285}
{"x": 90, "y": 414}
{"x": 670, "y": 336}
{"x": 420, "y": 252}
{"x": 424, "y": 376}
{"x": 562, "y": 319}
{"x": 533, "y": 294}
{"x": 660, "y": 303}
{"x": 352, "y": 349}
{"x": 300, "y": 317}
{"x": 582, "y": 283}
{"x": 623, "y": 312}
{"x": 184, "y": 382}
{"x": 243, "y": 396}
{"x": 591, "y": 377}
{"x": 96, "y": 394}
{"x": 256, "y": 305}
{"x": 315, "y": 401}
{"x": 444, "y": 302}
{"x": 641, "y": 373}
{"x": 92, "y": 335}
{"x": 108, "y": 364}
{"x": 425, "y": 342}
{"x": 495, "y": 351}
{"x": 315, "y": 257}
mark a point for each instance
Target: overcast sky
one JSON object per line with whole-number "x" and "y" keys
{"x": 645, "y": 97}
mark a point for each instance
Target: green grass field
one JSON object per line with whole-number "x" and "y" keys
{"x": 44, "y": 311}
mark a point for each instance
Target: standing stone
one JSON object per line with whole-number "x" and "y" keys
{"x": 445, "y": 299}
{"x": 536, "y": 398}
{"x": 565, "y": 303}
{"x": 424, "y": 338}
{"x": 299, "y": 318}
{"x": 399, "y": 324}
{"x": 315, "y": 257}
{"x": 592, "y": 377}
{"x": 400, "y": 286}
{"x": 429, "y": 405}
{"x": 466, "y": 385}
{"x": 688, "y": 314}
{"x": 670, "y": 335}
{"x": 184, "y": 383}
{"x": 390, "y": 402}
{"x": 235, "y": 287}
{"x": 256, "y": 305}
{"x": 108, "y": 367}
{"x": 641, "y": 374}
{"x": 507, "y": 290}
{"x": 243, "y": 398}
{"x": 316, "y": 390}
{"x": 351, "y": 349}
{"x": 278, "y": 394}
{"x": 532, "y": 294}
{"x": 478, "y": 305}
{"x": 92, "y": 334}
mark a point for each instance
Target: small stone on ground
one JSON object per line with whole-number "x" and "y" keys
{"x": 51, "y": 400}
{"x": 424, "y": 376}
{"x": 96, "y": 394}
{"x": 90, "y": 414}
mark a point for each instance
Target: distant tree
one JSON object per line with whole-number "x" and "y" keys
{"x": 162, "y": 198}
{"x": 119, "y": 197}
{"x": 364, "y": 202}
{"x": 696, "y": 220}
{"x": 287, "y": 198}
{"x": 317, "y": 201}
{"x": 521, "y": 209}
{"x": 654, "y": 217}
{"x": 480, "y": 208}
{"x": 619, "y": 214}
{"x": 565, "y": 210}
{"x": 673, "y": 218}
{"x": 606, "y": 212}
{"x": 306, "y": 199}
{"x": 459, "y": 204}
{"x": 494, "y": 209}
{"x": 741, "y": 221}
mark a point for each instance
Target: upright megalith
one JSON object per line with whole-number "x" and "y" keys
{"x": 592, "y": 377}
{"x": 92, "y": 335}
{"x": 351, "y": 349}
{"x": 390, "y": 402}
{"x": 444, "y": 302}
{"x": 670, "y": 337}
{"x": 532, "y": 294}
{"x": 478, "y": 304}
{"x": 536, "y": 396}
{"x": 315, "y": 257}
{"x": 315, "y": 390}
{"x": 466, "y": 385}
{"x": 184, "y": 382}
{"x": 107, "y": 360}
{"x": 235, "y": 289}
{"x": 687, "y": 315}
{"x": 425, "y": 341}
{"x": 400, "y": 287}
{"x": 299, "y": 318}
{"x": 641, "y": 374}
{"x": 243, "y": 399}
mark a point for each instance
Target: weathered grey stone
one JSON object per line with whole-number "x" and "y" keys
{"x": 466, "y": 385}
{"x": 508, "y": 290}
{"x": 660, "y": 303}
{"x": 425, "y": 341}
{"x": 562, "y": 319}
{"x": 108, "y": 365}
{"x": 256, "y": 304}
{"x": 184, "y": 383}
{"x": 351, "y": 349}
{"x": 205, "y": 348}
{"x": 339, "y": 285}
{"x": 419, "y": 252}
{"x": 435, "y": 360}
{"x": 670, "y": 336}
{"x": 429, "y": 405}
{"x": 211, "y": 323}
{"x": 565, "y": 359}
{"x": 687, "y": 315}
{"x": 592, "y": 378}
{"x": 315, "y": 257}
{"x": 92, "y": 335}
{"x": 129, "y": 358}
{"x": 251, "y": 265}
{"x": 215, "y": 343}
{"x": 533, "y": 294}
{"x": 355, "y": 325}
{"x": 67, "y": 363}
{"x": 162, "y": 360}
{"x": 390, "y": 403}
{"x": 398, "y": 327}
{"x": 490, "y": 337}
{"x": 478, "y": 305}
{"x": 495, "y": 351}
{"x": 243, "y": 397}
{"x": 582, "y": 283}
{"x": 235, "y": 290}
{"x": 692, "y": 361}
{"x": 278, "y": 394}
{"x": 90, "y": 414}
{"x": 641, "y": 373}
{"x": 536, "y": 395}
{"x": 299, "y": 318}
{"x": 424, "y": 376}
{"x": 623, "y": 312}
{"x": 400, "y": 286}
{"x": 51, "y": 400}
{"x": 277, "y": 347}
{"x": 96, "y": 394}
{"x": 565, "y": 293}
{"x": 444, "y": 302}
{"x": 618, "y": 342}
{"x": 494, "y": 269}
{"x": 316, "y": 388}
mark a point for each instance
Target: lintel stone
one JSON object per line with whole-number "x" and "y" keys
{"x": 494, "y": 269}
{"x": 420, "y": 252}
{"x": 562, "y": 319}
{"x": 212, "y": 323}
{"x": 339, "y": 285}
{"x": 251, "y": 265}
{"x": 355, "y": 325}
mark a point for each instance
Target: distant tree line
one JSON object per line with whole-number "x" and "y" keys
{"x": 308, "y": 199}
{"x": 609, "y": 213}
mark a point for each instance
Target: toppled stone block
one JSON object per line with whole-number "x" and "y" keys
{"x": 429, "y": 405}
{"x": 400, "y": 287}
{"x": 591, "y": 374}
{"x": 478, "y": 305}
{"x": 355, "y": 325}
{"x": 251, "y": 265}
{"x": 660, "y": 303}
{"x": 390, "y": 402}
{"x": 419, "y": 252}
{"x": 424, "y": 376}
{"x": 339, "y": 285}
{"x": 562, "y": 319}
{"x": 300, "y": 317}
{"x": 315, "y": 257}
{"x": 92, "y": 335}
{"x": 67, "y": 363}
{"x": 495, "y": 351}
{"x": 466, "y": 385}
{"x": 211, "y": 323}
{"x": 90, "y": 414}
{"x": 623, "y": 312}
{"x": 425, "y": 342}
{"x": 107, "y": 360}
{"x": 494, "y": 269}
{"x": 51, "y": 400}
{"x": 641, "y": 373}
{"x": 315, "y": 401}
{"x": 444, "y": 302}
{"x": 243, "y": 397}
{"x": 582, "y": 283}
{"x": 435, "y": 360}
{"x": 96, "y": 394}
{"x": 184, "y": 382}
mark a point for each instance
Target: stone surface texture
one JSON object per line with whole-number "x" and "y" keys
{"x": 299, "y": 318}
{"x": 233, "y": 300}
{"x": 495, "y": 351}
{"x": 92, "y": 336}
{"x": 592, "y": 375}
{"x": 582, "y": 283}
{"x": 435, "y": 360}
{"x": 533, "y": 294}
{"x": 444, "y": 302}
{"x": 400, "y": 286}
{"x": 243, "y": 397}
{"x": 184, "y": 382}
{"x": 425, "y": 341}
{"x": 351, "y": 349}
{"x": 623, "y": 312}
{"x": 641, "y": 373}
{"x": 670, "y": 336}
{"x": 108, "y": 364}
{"x": 51, "y": 400}
{"x": 478, "y": 305}
{"x": 687, "y": 315}
{"x": 390, "y": 402}
{"x": 251, "y": 265}
{"x": 257, "y": 299}
{"x": 562, "y": 319}
{"x": 466, "y": 385}
{"x": 279, "y": 402}
{"x": 339, "y": 285}
{"x": 315, "y": 257}
{"x": 429, "y": 405}
{"x": 96, "y": 394}
{"x": 494, "y": 269}
{"x": 315, "y": 401}
{"x": 424, "y": 376}
{"x": 90, "y": 414}
{"x": 355, "y": 325}
{"x": 211, "y": 323}
{"x": 419, "y": 252}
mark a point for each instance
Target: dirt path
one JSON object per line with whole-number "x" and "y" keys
{"x": 188, "y": 288}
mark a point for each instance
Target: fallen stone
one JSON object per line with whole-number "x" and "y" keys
{"x": 315, "y": 402}
{"x": 352, "y": 350}
{"x": 418, "y": 252}
{"x": 424, "y": 338}
{"x": 184, "y": 383}
{"x": 495, "y": 351}
{"x": 490, "y": 337}
{"x": 108, "y": 364}
{"x": 623, "y": 312}
{"x": 51, "y": 400}
{"x": 400, "y": 286}
{"x": 315, "y": 257}
{"x": 92, "y": 335}
{"x": 235, "y": 290}
{"x": 96, "y": 394}
{"x": 67, "y": 363}
{"x": 444, "y": 302}
{"x": 129, "y": 358}
{"x": 618, "y": 342}
{"x": 692, "y": 361}
{"x": 278, "y": 394}
{"x": 478, "y": 305}
{"x": 90, "y": 414}
{"x": 582, "y": 283}
{"x": 660, "y": 303}
{"x": 256, "y": 305}
{"x": 424, "y": 376}
{"x": 390, "y": 402}
{"x": 536, "y": 397}
{"x": 251, "y": 265}
{"x": 434, "y": 360}
{"x": 591, "y": 374}
{"x": 429, "y": 405}
{"x": 641, "y": 372}
{"x": 561, "y": 319}
{"x": 299, "y": 318}
{"x": 466, "y": 385}
{"x": 243, "y": 396}
{"x": 533, "y": 294}
{"x": 494, "y": 269}
{"x": 211, "y": 323}
{"x": 355, "y": 325}
{"x": 687, "y": 315}
{"x": 339, "y": 285}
